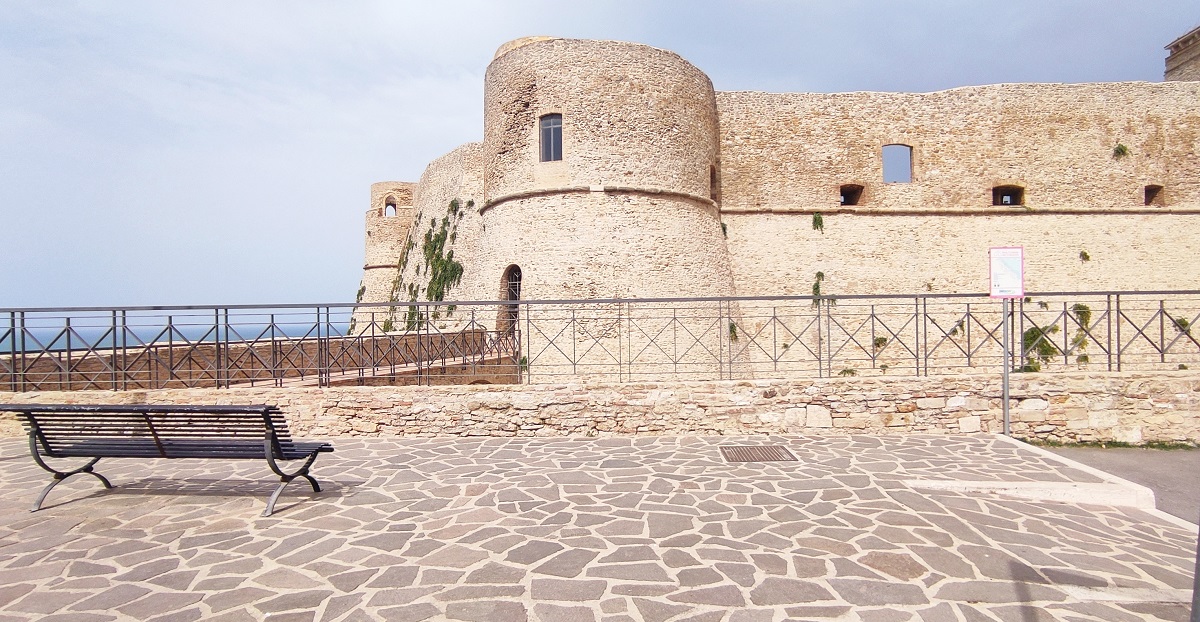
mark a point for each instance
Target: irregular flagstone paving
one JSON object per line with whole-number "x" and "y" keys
{"x": 652, "y": 529}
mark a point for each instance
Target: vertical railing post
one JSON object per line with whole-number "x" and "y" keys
{"x": 21, "y": 324}
{"x": 323, "y": 370}
{"x": 967, "y": 332}
{"x": 1066, "y": 332}
{"x": 276, "y": 377}
{"x": 1162, "y": 332}
{"x": 1118, "y": 320}
{"x": 124, "y": 350}
{"x": 67, "y": 332}
{"x": 924, "y": 326}
{"x": 820, "y": 340}
{"x": 228, "y": 360}
{"x": 1108, "y": 320}
{"x": 112, "y": 360}
{"x": 12, "y": 351}
{"x": 528, "y": 343}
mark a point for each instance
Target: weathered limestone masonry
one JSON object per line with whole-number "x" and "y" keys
{"x": 388, "y": 222}
{"x": 668, "y": 188}
{"x": 931, "y": 235}
{"x": 1130, "y": 407}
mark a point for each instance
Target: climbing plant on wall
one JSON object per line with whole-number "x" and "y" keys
{"x": 437, "y": 267}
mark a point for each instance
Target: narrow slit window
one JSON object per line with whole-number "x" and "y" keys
{"x": 897, "y": 164}
{"x": 851, "y": 194}
{"x": 1008, "y": 195}
{"x": 551, "y": 130}
{"x": 1154, "y": 195}
{"x": 714, "y": 184}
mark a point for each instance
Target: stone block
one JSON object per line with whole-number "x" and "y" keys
{"x": 969, "y": 425}
{"x": 1033, "y": 403}
{"x": 1128, "y": 434}
{"x": 931, "y": 402}
{"x": 1104, "y": 419}
{"x": 818, "y": 417}
{"x": 976, "y": 403}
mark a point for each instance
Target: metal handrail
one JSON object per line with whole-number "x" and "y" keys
{"x": 606, "y": 339}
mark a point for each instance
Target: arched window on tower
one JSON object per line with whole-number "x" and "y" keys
{"x": 389, "y": 210}
{"x": 510, "y": 290}
{"x": 551, "y": 133}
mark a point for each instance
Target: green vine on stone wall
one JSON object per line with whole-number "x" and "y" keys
{"x": 1037, "y": 347}
{"x": 437, "y": 265}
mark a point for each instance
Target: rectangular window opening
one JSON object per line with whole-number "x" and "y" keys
{"x": 851, "y": 194}
{"x": 551, "y": 135}
{"x": 1154, "y": 195}
{"x": 897, "y": 164}
{"x": 1008, "y": 195}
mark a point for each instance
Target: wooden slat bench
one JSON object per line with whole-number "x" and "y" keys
{"x": 145, "y": 431}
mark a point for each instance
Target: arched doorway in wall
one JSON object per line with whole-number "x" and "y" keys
{"x": 510, "y": 289}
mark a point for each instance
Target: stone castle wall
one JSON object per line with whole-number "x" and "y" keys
{"x": 792, "y": 151}
{"x": 668, "y": 188}
{"x": 779, "y": 254}
{"x": 1128, "y": 407}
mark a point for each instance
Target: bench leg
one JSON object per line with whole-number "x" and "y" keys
{"x": 59, "y": 477}
{"x": 285, "y": 478}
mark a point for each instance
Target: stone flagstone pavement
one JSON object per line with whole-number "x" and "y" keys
{"x": 656, "y": 529}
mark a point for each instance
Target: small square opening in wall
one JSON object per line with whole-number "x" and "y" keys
{"x": 1154, "y": 195}
{"x": 756, "y": 453}
{"x": 851, "y": 194}
{"x": 1008, "y": 195}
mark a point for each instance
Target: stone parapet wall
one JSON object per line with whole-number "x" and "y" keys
{"x": 792, "y": 151}
{"x": 1129, "y": 407}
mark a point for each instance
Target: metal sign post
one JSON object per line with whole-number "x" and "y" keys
{"x": 1007, "y": 271}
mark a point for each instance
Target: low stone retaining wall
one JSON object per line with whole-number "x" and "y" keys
{"x": 1129, "y": 407}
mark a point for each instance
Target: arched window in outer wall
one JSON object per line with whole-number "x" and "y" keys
{"x": 389, "y": 210}
{"x": 510, "y": 289}
{"x": 551, "y": 133}
{"x": 897, "y": 164}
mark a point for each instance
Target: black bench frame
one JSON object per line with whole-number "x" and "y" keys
{"x": 145, "y": 431}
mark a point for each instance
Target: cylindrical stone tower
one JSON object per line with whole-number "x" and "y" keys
{"x": 388, "y": 221}
{"x": 600, "y": 165}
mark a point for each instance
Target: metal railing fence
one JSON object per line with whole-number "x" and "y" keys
{"x": 603, "y": 340}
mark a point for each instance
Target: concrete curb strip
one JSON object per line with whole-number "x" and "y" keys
{"x": 1066, "y": 492}
{"x": 1107, "y": 477}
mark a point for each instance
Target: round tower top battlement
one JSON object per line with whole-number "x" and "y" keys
{"x": 570, "y": 113}
{"x": 388, "y": 198}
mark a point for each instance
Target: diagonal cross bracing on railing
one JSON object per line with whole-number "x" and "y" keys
{"x": 610, "y": 340}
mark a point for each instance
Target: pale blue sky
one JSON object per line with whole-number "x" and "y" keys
{"x": 221, "y": 152}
